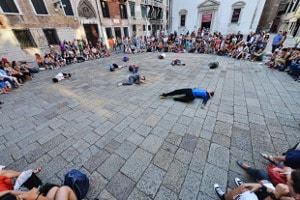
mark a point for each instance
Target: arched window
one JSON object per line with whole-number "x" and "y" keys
{"x": 236, "y": 11}
{"x": 182, "y": 15}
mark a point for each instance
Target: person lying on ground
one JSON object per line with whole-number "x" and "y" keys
{"x": 189, "y": 94}
{"x": 134, "y": 78}
{"x": 133, "y": 68}
{"x": 177, "y": 62}
{"x": 60, "y": 76}
{"x": 114, "y": 66}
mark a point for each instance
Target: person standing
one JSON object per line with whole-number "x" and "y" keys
{"x": 276, "y": 41}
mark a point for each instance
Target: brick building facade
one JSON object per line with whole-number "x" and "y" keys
{"x": 30, "y": 26}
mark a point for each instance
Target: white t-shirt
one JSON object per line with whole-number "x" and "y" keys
{"x": 247, "y": 196}
{"x": 60, "y": 76}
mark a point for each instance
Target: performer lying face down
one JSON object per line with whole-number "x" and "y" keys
{"x": 189, "y": 94}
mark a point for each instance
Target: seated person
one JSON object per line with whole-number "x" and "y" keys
{"x": 30, "y": 68}
{"x": 26, "y": 178}
{"x": 253, "y": 191}
{"x": 16, "y": 65}
{"x": 60, "y": 76}
{"x": 134, "y": 78}
{"x": 95, "y": 52}
{"x": 257, "y": 56}
{"x": 49, "y": 62}
{"x": 104, "y": 51}
{"x": 13, "y": 81}
{"x": 290, "y": 159}
{"x": 3, "y": 88}
{"x": 86, "y": 53}
{"x": 47, "y": 192}
{"x": 40, "y": 60}
{"x": 285, "y": 56}
{"x": 12, "y": 72}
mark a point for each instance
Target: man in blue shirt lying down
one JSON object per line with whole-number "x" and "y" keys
{"x": 189, "y": 94}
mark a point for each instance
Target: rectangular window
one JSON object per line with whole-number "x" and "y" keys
{"x": 149, "y": 27}
{"x": 182, "y": 20}
{"x": 132, "y": 9}
{"x": 161, "y": 13}
{"x": 67, "y": 6}
{"x": 133, "y": 27}
{"x": 144, "y": 27}
{"x": 105, "y": 10}
{"x": 9, "y": 6}
{"x": 236, "y": 15}
{"x": 108, "y": 32}
{"x": 144, "y": 10}
{"x": 123, "y": 11}
{"x": 39, "y": 6}
{"x": 126, "y": 32}
{"x": 51, "y": 36}
{"x": 25, "y": 38}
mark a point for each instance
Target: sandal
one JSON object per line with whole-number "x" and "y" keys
{"x": 268, "y": 157}
{"x": 38, "y": 170}
{"x": 242, "y": 165}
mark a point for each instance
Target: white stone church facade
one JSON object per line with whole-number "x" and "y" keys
{"x": 225, "y": 16}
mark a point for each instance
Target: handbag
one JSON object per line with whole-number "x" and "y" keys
{"x": 275, "y": 176}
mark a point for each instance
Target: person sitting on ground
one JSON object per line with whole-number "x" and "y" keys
{"x": 16, "y": 66}
{"x": 133, "y": 68}
{"x": 30, "y": 68}
{"x": 114, "y": 66}
{"x": 3, "y": 88}
{"x": 257, "y": 56}
{"x": 49, "y": 62}
{"x": 40, "y": 60}
{"x": 60, "y": 76}
{"x": 49, "y": 192}
{"x": 262, "y": 175}
{"x": 177, "y": 62}
{"x": 12, "y": 72}
{"x": 253, "y": 191}
{"x": 13, "y": 81}
{"x": 290, "y": 159}
{"x": 286, "y": 54}
{"x": 189, "y": 94}
{"x": 21, "y": 178}
{"x": 134, "y": 78}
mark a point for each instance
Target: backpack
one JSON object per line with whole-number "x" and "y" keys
{"x": 78, "y": 181}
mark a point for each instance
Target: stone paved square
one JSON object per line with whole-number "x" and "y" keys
{"x": 134, "y": 145}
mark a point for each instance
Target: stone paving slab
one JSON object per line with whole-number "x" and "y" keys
{"x": 134, "y": 145}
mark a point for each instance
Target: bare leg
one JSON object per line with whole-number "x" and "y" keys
{"x": 51, "y": 194}
{"x": 9, "y": 173}
{"x": 65, "y": 193}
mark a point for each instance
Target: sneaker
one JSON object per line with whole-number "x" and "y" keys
{"x": 2, "y": 167}
{"x": 163, "y": 96}
{"x": 238, "y": 181}
{"x": 119, "y": 84}
{"x": 219, "y": 191}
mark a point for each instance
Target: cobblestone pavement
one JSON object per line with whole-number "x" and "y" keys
{"x": 134, "y": 145}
